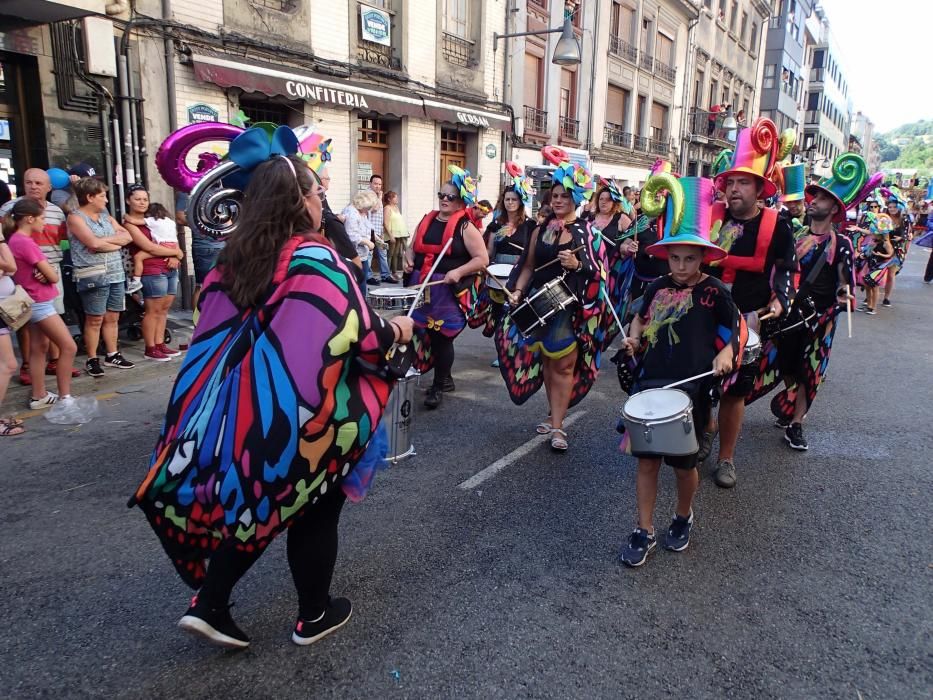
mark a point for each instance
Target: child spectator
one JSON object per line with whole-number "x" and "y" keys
{"x": 164, "y": 232}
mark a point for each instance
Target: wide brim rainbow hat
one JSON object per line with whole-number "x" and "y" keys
{"x": 576, "y": 179}
{"x": 846, "y": 184}
{"x": 756, "y": 153}
{"x": 685, "y": 211}
{"x": 794, "y": 177}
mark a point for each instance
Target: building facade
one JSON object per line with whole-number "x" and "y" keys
{"x": 724, "y": 68}
{"x": 862, "y": 140}
{"x": 827, "y": 108}
{"x": 784, "y": 78}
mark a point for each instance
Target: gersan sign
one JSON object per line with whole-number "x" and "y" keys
{"x": 472, "y": 119}
{"x": 317, "y": 93}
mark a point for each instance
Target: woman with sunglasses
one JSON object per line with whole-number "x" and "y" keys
{"x": 900, "y": 240}
{"x": 564, "y": 354}
{"x": 272, "y": 420}
{"x": 448, "y": 235}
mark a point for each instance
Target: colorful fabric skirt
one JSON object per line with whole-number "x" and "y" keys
{"x": 557, "y": 339}
{"x": 441, "y": 311}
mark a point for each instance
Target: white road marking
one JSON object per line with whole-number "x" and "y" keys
{"x": 512, "y": 456}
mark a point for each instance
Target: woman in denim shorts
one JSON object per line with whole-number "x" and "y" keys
{"x": 96, "y": 241}
{"x": 159, "y": 273}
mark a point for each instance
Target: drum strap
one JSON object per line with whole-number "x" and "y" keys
{"x": 428, "y": 250}
{"x": 748, "y": 263}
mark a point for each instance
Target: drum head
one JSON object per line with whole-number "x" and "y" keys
{"x": 754, "y": 340}
{"x": 391, "y": 293}
{"x": 500, "y": 270}
{"x": 656, "y": 404}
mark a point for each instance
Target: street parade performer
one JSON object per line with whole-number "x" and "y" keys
{"x": 613, "y": 222}
{"x": 794, "y": 178}
{"x": 827, "y": 277}
{"x": 448, "y": 237}
{"x": 274, "y": 419}
{"x": 564, "y": 353}
{"x": 687, "y": 324}
{"x": 758, "y": 270}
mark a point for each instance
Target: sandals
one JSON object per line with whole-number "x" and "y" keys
{"x": 544, "y": 427}
{"x": 10, "y": 427}
{"x": 559, "y": 440}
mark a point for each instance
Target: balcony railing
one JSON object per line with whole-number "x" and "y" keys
{"x": 664, "y": 71}
{"x": 659, "y": 147}
{"x": 646, "y": 62}
{"x": 812, "y": 116}
{"x": 620, "y": 47}
{"x": 457, "y": 50}
{"x": 614, "y": 135}
{"x": 569, "y": 128}
{"x": 700, "y": 124}
{"x": 535, "y": 120}
{"x": 641, "y": 143}
{"x": 817, "y": 75}
{"x": 369, "y": 52}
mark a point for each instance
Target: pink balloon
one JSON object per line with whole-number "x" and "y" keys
{"x": 171, "y": 156}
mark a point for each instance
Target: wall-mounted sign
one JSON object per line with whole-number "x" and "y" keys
{"x": 491, "y": 150}
{"x": 202, "y": 113}
{"x": 376, "y": 25}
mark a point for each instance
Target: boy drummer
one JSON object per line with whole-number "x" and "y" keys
{"x": 687, "y": 325}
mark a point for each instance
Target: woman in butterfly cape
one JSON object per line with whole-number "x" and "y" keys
{"x": 274, "y": 419}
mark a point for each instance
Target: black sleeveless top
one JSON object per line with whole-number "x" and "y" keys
{"x": 455, "y": 257}
{"x": 544, "y": 253}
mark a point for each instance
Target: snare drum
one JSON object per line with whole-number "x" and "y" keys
{"x": 389, "y": 302}
{"x": 501, "y": 272}
{"x": 660, "y": 422}
{"x": 752, "y": 348}
{"x": 397, "y": 417}
{"x": 535, "y": 312}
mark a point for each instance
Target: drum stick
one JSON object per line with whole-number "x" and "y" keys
{"x": 429, "y": 284}
{"x": 848, "y": 311}
{"x": 515, "y": 245}
{"x": 425, "y": 283}
{"x": 611, "y": 307}
{"x": 557, "y": 260}
{"x": 689, "y": 379}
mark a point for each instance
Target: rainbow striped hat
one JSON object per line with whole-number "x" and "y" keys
{"x": 795, "y": 180}
{"x": 756, "y": 152}
{"x": 686, "y": 211}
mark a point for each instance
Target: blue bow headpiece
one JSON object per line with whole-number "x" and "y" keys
{"x": 256, "y": 145}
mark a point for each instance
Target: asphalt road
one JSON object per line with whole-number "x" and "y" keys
{"x": 811, "y": 579}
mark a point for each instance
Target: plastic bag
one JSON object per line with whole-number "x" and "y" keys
{"x": 73, "y": 411}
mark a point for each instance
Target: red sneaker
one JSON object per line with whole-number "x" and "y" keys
{"x": 166, "y": 350}
{"x": 154, "y": 353}
{"x": 52, "y": 368}
{"x": 24, "y": 377}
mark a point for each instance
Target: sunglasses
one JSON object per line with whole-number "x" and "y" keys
{"x": 444, "y": 197}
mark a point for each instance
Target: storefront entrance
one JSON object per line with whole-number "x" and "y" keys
{"x": 453, "y": 151}
{"x": 371, "y": 151}
{"x": 22, "y": 139}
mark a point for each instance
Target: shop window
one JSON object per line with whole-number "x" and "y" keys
{"x": 279, "y": 5}
{"x": 267, "y": 111}
{"x": 374, "y": 132}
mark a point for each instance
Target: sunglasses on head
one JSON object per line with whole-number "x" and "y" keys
{"x": 445, "y": 197}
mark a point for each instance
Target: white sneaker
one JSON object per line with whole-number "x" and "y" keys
{"x": 134, "y": 285}
{"x": 44, "y": 402}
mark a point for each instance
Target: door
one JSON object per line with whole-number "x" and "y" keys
{"x": 371, "y": 151}
{"x": 453, "y": 152}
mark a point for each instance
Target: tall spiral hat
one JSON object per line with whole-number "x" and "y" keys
{"x": 519, "y": 182}
{"x": 576, "y": 179}
{"x": 845, "y": 184}
{"x": 756, "y": 153}
{"x": 685, "y": 208}
{"x": 793, "y": 181}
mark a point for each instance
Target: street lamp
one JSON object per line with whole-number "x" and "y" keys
{"x": 730, "y": 126}
{"x": 566, "y": 53}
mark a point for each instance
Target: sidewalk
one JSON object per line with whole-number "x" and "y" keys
{"x": 115, "y": 380}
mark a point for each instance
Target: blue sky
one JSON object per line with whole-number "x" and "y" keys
{"x": 886, "y": 49}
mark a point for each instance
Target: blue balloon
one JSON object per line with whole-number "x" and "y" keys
{"x": 59, "y": 178}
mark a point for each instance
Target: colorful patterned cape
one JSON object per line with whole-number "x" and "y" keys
{"x": 620, "y": 272}
{"x": 819, "y": 342}
{"x": 521, "y": 364}
{"x": 272, "y": 407}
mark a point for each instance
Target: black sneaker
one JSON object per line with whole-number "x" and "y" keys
{"x": 782, "y": 423}
{"x": 448, "y": 385}
{"x": 886, "y": 302}
{"x": 433, "y": 397}
{"x": 373, "y": 282}
{"x": 389, "y": 280}
{"x": 213, "y": 624}
{"x": 637, "y": 548}
{"x": 677, "y": 537}
{"x": 117, "y": 360}
{"x": 93, "y": 368}
{"x": 333, "y": 618}
{"x": 795, "y": 438}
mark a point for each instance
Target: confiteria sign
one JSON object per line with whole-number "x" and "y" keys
{"x": 319, "y": 93}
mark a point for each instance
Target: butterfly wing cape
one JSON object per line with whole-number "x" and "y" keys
{"x": 273, "y": 406}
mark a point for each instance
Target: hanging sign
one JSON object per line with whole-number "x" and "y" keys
{"x": 202, "y": 113}
{"x": 376, "y": 25}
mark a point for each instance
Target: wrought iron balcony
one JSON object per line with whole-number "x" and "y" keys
{"x": 641, "y": 144}
{"x": 535, "y": 120}
{"x": 368, "y": 52}
{"x": 614, "y": 135}
{"x": 620, "y": 47}
{"x": 701, "y": 124}
{"x": 457, "y": 50}
{"x": 659, "y": 147}
{"x": 646, "y": 62}
{"x": 569, "y": 128}
{"x": 664, "y": 71}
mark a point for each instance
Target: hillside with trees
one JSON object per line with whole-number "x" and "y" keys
{"x": 908, "y": 146}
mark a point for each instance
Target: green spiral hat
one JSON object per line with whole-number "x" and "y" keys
{"x": 849, "y": 175}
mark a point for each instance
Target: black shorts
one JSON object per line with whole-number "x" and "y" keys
{"x": 702, "y": 407}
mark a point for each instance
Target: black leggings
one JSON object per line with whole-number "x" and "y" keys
{"x": 442, "y": 348}
{"x": 312, "y": 553}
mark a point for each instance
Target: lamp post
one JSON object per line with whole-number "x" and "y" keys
{"x": 566, "y": 53}
{"x": 730, "y": 126}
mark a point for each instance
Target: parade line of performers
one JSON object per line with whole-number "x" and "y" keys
{"x": 730, "y": 287}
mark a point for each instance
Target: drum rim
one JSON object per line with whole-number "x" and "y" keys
{"x": 492, "y": 270}
{"x": 666, "y": 419}
{"x": 391, "y": 292}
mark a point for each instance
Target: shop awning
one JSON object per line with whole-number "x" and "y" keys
{"x": 22, "y": 13}
{"x": 253, "y": 76}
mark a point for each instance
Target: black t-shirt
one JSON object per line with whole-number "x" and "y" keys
{"x": 752, "y": 290}
{"x": 456, "y": 256}
{"x": 509, "y": 245}
{"x": 685, "y": 327}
